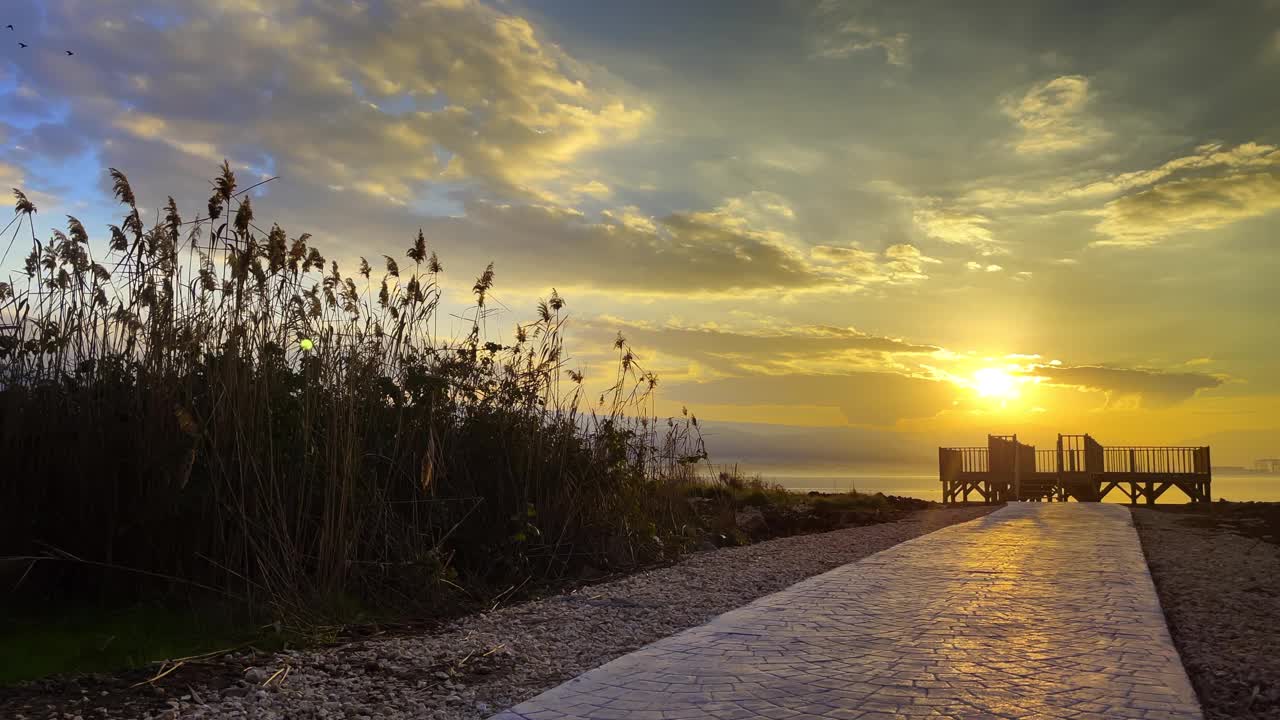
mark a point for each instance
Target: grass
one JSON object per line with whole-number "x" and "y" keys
{"x": 87, "y": 641}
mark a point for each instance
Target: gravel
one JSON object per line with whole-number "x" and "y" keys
{"x": 481, "y": 664}
{"x": 1221, "y": 595}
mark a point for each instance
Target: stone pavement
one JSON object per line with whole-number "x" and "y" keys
{"x": 1037, "y": 610}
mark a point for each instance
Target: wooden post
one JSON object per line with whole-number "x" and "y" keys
{"x": 942, "y": 475}
{"x": 1208, "y": 482}
{"x": 1017, "y": 469}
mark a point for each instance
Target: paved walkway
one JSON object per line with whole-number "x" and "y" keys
{"x": 1035, "y": 611}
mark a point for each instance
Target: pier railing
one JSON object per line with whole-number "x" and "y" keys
{"x": 1147, "y": 459}
{"x": 1046, "y": 461}
{"x": 965, "y": 459}
{"x": 1079, "y": 468}
{"x": 1156, "y": 460}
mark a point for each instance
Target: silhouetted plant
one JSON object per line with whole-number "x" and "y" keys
{"x": 161, "y": 417}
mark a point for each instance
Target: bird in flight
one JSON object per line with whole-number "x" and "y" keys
{"x": 22, "y": 44}
{"x": 10, "y": 26}
{"x": 70, "y": 53}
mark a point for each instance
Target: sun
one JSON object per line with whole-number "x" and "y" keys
{"x": 995, "y": 383}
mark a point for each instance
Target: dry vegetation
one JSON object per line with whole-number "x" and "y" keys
{"x": 164, "y": 426}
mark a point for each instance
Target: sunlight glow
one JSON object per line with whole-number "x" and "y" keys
{"x": 995, "y": 383}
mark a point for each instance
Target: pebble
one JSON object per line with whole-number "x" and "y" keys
{"x": 1221, "y": 595}
{"x": 480, "y": 664}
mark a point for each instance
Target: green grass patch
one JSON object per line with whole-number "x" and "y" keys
{"x": 87, "y": 641}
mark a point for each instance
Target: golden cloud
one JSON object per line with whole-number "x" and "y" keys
{"x": 898, "y": 264}
{"x": 1206, "y": 158}
{"x": 433, "y": 89}
{"x": 1053, "y": 116}
{"x": 1204, "y": 203}
{"x": 958, "y": 227}
{"x": 1138, "y": 386}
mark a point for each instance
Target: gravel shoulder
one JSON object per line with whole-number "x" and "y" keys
{"x": 1217, "y": 572}
{"x": 478, "y": 665}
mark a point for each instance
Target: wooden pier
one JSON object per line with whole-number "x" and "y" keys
{"x": 1079, "y": 468}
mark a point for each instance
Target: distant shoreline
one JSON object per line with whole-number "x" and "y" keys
{"x": 1228, "y": 483}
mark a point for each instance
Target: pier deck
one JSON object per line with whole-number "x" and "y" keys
{"x": 1079, "y": 468}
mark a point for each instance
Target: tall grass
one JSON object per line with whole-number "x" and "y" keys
{"x": 162, "y": 425}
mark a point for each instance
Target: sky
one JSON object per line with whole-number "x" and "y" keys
{"x": 841, "y": 233}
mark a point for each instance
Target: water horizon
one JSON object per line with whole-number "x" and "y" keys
{"x": 1238, "y": 487}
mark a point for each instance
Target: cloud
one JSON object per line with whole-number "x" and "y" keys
{"x": 378, "y": 101}
{"x": 789, "y": 158}
{"x": 1150, "y": 388}
{"x": 867, "y": 378}
{"x": 13, "y": 176}
{"x": 744, "y": 245}
{"x": 842, "y": 36}
{"x": 631, "y": 218}
{"x": 690, "y": 252}
{"x": 1205, "y": 160}
{"x": 959, "y": 227}
{"x": 1211, "y": 187}
{"x": 854, "y": 37}
{"x": 992, "y": 267}
{"x": 871, "y": 379}
{"x": 594, "y": 188}
{"x": 898, "y": 264}
{"x": 1204, "y": 203}
{"x": 803, "y": 349}
{"x": 1053, "y": 116}
{"x": 906, "y": 262}
{"x": 52, "y": 140}
{"x": 864, "y": 398}
{"x": 759, "y": 207}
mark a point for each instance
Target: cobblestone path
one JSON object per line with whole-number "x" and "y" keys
{"x": 1038, "y": 610}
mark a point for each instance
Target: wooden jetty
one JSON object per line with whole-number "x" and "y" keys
{"x": 1079, "y": 468}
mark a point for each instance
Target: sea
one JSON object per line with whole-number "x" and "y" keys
{"x": 1226, "y": 485}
